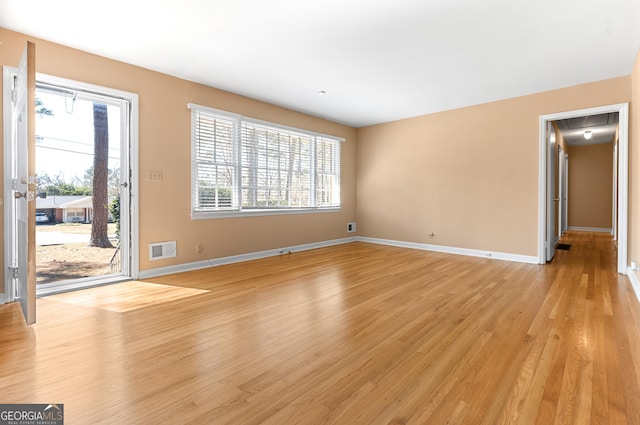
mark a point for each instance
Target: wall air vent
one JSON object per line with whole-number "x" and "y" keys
{"x": 158, "y": 251}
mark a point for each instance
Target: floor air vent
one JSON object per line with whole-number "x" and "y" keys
{"x": 162, "y": 250}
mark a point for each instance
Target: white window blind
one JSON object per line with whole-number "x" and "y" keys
{"x": 327, "y": 172}
{"x": 245, "y": 165}
{"x": 214, "y": 159}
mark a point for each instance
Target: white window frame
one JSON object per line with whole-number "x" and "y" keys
{"x": 234, "y": 166}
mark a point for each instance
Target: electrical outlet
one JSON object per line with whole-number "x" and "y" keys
{"x": 351, "y": 227}
{"x": 199, "y": 248}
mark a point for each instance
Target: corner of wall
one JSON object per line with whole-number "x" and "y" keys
{"x": 634, "y": 277}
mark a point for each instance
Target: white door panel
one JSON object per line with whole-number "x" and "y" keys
{"x": 20, "y": 190}
{"x": 551, "y": 192}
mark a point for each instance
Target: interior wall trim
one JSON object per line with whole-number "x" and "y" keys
{"x": 590, "y": 229}
{"x": 494, "y": 255}
{"x": 145, "y": 274}
{"x": 635, "y": 282}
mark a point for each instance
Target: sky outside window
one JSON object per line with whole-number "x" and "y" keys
{"x": 64, "y": 141}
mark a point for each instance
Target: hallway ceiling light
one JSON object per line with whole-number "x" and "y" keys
{"x": 587, "y": 134}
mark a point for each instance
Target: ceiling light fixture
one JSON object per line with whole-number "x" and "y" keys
{"x": 587, "y": 134}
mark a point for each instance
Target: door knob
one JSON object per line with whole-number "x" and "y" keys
{"x": 28, "y": 195}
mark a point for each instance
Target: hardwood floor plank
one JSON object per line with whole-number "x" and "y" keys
{"x": 600, "y": 405}
{"x": 355, "y": 333}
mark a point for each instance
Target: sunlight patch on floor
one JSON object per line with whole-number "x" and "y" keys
{"x": 126, "y": 296}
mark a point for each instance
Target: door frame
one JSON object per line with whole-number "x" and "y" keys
{"x": 623, "y": 177}
{"x": 133, "y": 180}
{"x": 7, "y": 83}
{"x": 614, "y": 206}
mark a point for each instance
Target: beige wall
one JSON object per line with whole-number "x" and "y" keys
{"x": 469, "y": 175}
{"x": 165, "y": 145}
{"x": 591, "y": 186}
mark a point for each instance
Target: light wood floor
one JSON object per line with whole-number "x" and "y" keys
{"x": 353, "y": 334}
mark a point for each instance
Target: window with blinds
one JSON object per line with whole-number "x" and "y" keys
{"x": 243, "y": 165}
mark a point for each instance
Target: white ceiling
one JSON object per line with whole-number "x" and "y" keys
{"x": 377, "y": 60}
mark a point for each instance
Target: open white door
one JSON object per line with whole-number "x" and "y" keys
{"x": 72, "y": 98}
{"x": 564, "y": 200}
{"x": 552, "y": 233}
{"x": 20, "y": 191}
{"x": 562, "y": 191}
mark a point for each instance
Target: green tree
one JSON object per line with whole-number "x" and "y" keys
{"x": 114, "y": 208}
{"x": 57, "y": 186}
{"x": 67, "y": 189}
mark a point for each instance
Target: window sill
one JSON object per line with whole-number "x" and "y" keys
{"x": 258, "y": 212}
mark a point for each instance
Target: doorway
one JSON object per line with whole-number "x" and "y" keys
{"x": 545, "y": 196}
{"x": 67, "y": 204}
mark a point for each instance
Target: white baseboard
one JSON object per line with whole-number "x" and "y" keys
{"x": 145, "y": 274}
{"x": 180, "y": 268}
{"x": 590, "y": 229}
{"x": 454, "y": 250}
{"x": 635, "y": 282}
